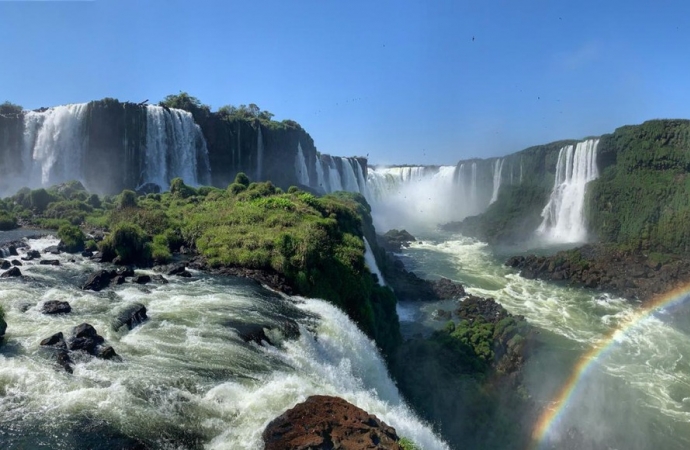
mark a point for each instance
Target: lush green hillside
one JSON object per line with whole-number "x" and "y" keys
{"x": 642, "y": 197}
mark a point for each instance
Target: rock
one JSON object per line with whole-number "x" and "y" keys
{"x": 142, "y": 279}
{"x": 13, "y": 250}
{"x": 125, "y": 271}
{"x": 251, "y": 332}
{"x": 98, "y": 280}
{"x": 85, "y": 338}
{"x": 4, "y": 264}
{"x": 159, "y": 279}
{"x": 50, "y": 262}
{"x": 13, "y": 272}
{"x": 131, "y": 316}
{"x": 56, "y": 307}
{"x": 16, "y": 262}
{"x": 33, "y": 254}
{"x": 176, "y": 269}
{"x": 119, "y": 279}
{"x": 324, "y": 422}
{"x": 107, "y": 352}
{"x": 3, "y": 328}
{"x": 57, "y": 340}
{"x": 52, "y": 250}
{"x": 64, "y": 360}
{"x": 395, "y": 240}
{"x": 184, "y": 274}
{"x": 87, "y": 253}
{"x": 446, "y": 289}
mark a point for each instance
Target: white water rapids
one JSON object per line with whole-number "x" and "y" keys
{"x": 636, "y": 395}
{"x": 186, "y": 379}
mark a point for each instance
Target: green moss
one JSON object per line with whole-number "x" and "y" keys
{"x": 408, "y": 444}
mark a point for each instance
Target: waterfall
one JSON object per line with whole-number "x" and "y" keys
{"x": 412, "y": 196}
{"x": 498, "y": 168}
{"x": 371, "y": 262}
{"x": 301, "y": 167}
{"x": 563, "y": 215}
{"x": 175, "y": 146}
{"x": 321, "y": 181}
{"x": 349, "y": 178}
{"x": 54, "y": 144}
{"x": 334, "y": 181}
{"x": 259, "y": 156}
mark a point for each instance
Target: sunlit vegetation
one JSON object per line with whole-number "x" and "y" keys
{"x": 314, "y": 243}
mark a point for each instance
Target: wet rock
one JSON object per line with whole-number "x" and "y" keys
{"x": 87, "y": 253}
{"x": 125, "y": 271}
{"x": 184, "y": 274}
{"x": 52, "y": 250}
{"x": 56, "y": 340}
{"x": 13, "y": 272}
{"x": 33, "y": 254}
{"x": 98, "y": 280}
{"x": 4, "y": 264}
{"x": 159, "y": 279}
{"x": 63, "y": 360}
{"x": 119, "y": 279}
{"x": 107, "y": 352}
{"x": 141, "y": 279}
{"x": 3, "y": 328}
{"x": 324, "y": 422}
{"x": 85, "y": 338}
{"x": 447, "y": 289}
{"x": 16, "y": 262}
{"x": 251, "y": 332}
{"x": 395, "y": 240}
{"x": 50, "y": 262}
{"x": 130, "y": 317}
{"x": 176, "y": 269}
{"x": 13, "y": 250}
{"x": 56, "y": 307}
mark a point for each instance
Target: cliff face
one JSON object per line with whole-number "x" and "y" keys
{"x": 109, "y": 146}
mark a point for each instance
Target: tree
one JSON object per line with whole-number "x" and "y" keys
{"x": 187, "y": 102}
{"x": 9, "y": 108}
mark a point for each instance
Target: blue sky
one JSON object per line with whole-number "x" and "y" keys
{"x": 402, "y": 81}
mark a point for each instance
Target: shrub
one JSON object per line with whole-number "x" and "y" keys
{"x": 39, "y": 200}
{"x": 72, "y": 238}
{"x": 7, "y": 221}
{"x": 407, "y": 444}
{"x": 128, "y": 242}
{"x": 160, "y": 250}
{"x": 94, "y": 200}
{"x": 127, "y": 199}
{"x": 242, "y": 179}
{"x": 180, "y": 190}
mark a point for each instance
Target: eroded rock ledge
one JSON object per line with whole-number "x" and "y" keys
{"x": 325, "y": 422}
{"x": 633, "y": 275}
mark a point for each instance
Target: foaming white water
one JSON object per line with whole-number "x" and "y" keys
{"x": 185, "y": 372}
{"x": 412, "y": 197}
{"x": 301, "y": 167}
{"x": 563, "y": 215}
{"x": 175, "y": 147}
{"x": 54, "y": 144}
{"x": 371, "y": 262}
{"x": 641, "y": 383}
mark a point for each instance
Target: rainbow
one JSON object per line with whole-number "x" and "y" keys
{"x": 552, "y": 415}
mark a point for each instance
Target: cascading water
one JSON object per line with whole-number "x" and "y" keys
{"x": 334, "y": 181}
{"x": 498, "y": 168}
{"x": 563, "y": 215}
{"x": 371, "y": 262}
{"x": 321, "y": 181}
{"x": 260, "y": 155}
{"x": 301, "y": 166}
{"x": 412, "y": 197}
{"x": 54, "y": 145}
{"x": 186, "y": 379}
{"x": 174, "y": 147}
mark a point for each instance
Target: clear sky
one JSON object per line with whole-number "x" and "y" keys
{"x": 426, "y": 81}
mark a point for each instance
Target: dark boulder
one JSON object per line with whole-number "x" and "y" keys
{"x": 125, "y": 271}
{"x": 447, "y": 290}
{"x": 324, "y": 422}
{"x": 184, "y": 274}
{"x": 63, "y": 360}
{"x": 159, "y": 279}
{"x": 119, "y": 279}
{"x": 4, "y": 264}
{"x": 85, "y": 337}
{"x": 16, "y": 262}
{"x": 395, "y": 240}
{"x": 87, "y": 253}
{"x": 251, "y": 332}
{"x": 56, "y": 340}
{"x": 142, "y": 279}
{"x": 176, "y": 269}
{"x": 52, "y": 250}
{"x": 107, "y": 352}
{"x": 56, "y": 307}
{"x": 13, "y": 272}
{"x": 33, "y": 254}
{"x": 130, "y": 317}
{"x": 50, "y": 262}
{"x": 13, "y": 250}
{"x": 98, "y": 280}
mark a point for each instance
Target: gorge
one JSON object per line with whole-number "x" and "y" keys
{"x": 597, "y": 371}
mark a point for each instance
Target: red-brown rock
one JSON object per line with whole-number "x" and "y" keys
{"x": 324, "y": 422}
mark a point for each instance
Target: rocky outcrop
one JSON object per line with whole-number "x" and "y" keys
{"x": 634, "y": 275}
{"x": 324, "y": 422}
{"x": 395, "y": 240}
{"x": 98, "y": 280}
{"x": 56, "y": 307}
{"x": 130, "y": 317}
{"x": 13, "y": 272}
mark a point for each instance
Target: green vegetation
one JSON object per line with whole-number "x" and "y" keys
{"x": 314, "y": 243}
{"x": 407, "y": 444}
{"x": 72, "y": 238}
{"x": 8, "y": 108}
{"x": 640, "y": 200}
{"x": 8, "y": 221}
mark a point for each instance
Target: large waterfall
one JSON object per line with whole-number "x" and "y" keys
{"x": 335, "y": 173}
{"x": 301, "y": 167}
{"x": 563, "y": 216}
{"x": 498, "y": 168}
{"x": 174, "y": 148}
{"x": 54, "y": 143}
